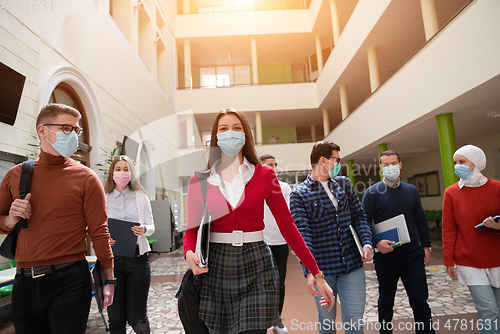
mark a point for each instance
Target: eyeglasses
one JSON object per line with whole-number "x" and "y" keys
{"x": 337, "y": 160}
{"x": 68, "y": 128}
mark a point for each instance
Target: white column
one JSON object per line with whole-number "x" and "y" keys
{"x": 335, "y": 21}
{"x": 373, "y": 68}
{"x": 255, "y": 69}
{"x": 344, "y": 106}
{"x": 258, "y": 127}
{"x": 185, "y": 7}
{"x": 430, "y": 18}
{"x": 189, "y": 130}
{"x": 319, "y": 54}
{"x": 309, "y": 68}
{"x": 187, "y": 65}
{"x": 134, "y": 43}
{"x": 313, "y": 133}
{"x": 326, "y": 122}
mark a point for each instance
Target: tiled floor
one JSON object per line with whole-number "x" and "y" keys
{"x": 450, "y": 302}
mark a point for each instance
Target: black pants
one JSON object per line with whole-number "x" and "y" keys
{"x": 280, "y": 254}
{"x": 410, "y": 267}
{"x": 56, "y": 303}
{"x": 133, "y": 276}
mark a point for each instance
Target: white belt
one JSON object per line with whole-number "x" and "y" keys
{"x": 237, "y": 237}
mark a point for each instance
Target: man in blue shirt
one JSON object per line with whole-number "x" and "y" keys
{"x": 386, "y": 199}
{"x": 323, "y": 207}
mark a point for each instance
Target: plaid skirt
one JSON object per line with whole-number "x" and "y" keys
{"x": 241, "y": 289}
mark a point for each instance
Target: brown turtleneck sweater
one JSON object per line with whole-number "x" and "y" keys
{"x": 67, "y": 199}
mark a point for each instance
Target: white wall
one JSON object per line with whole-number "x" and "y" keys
{"x": 77, "y": 36}
{"x": 298, "y": 96}
{"x": 359, "y": 26}
{"x": 459, "y": 58}
{"x": 244, "y": 23}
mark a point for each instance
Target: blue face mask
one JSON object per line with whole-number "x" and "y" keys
{"x": 276, "y": 171}
{"x": 335, "y": 171}
{"x": 231, "y": 142}
{"x": 65, "y": 144}
{"x": 391, "y": 172}
{"x": 463, "y": 171}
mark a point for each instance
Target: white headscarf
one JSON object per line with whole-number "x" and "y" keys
{"x": 478, "y": 158}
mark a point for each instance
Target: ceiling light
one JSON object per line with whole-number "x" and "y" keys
{"x": 493, "y": 114}
{"x": 229, "y": 55}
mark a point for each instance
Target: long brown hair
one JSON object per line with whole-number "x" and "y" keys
{"x": 248, "y": 149}
{"x": 134, "y": 183}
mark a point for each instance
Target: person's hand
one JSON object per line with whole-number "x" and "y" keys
{"x": 384, "y": 246}
{"x": 326, "y": 292}
{"x": 108, "y": 292}
{"x": 112, "y": 241}
{"x": 193, "y": 261}
{"x": 138, "y": 230}
{"x": 367, "y": 251}
{"x": 427, "y": 256}
{"x": 310, "y": 285}
{"x": 490, "y": 223}
{"x": 452, "y": 273}
{"x": 20, "y": 208}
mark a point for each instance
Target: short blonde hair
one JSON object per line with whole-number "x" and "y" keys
{"x": 50, "y": 112}
{"x": 134, "y": 183}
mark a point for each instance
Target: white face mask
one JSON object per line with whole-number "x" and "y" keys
{"x": 231, "y": 142}
{"x": 391, "y": 172}
{"x": 66, "y": 144}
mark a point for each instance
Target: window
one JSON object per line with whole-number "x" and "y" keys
{"x": 7, "y": 161}
{"x": 224, "y": 76}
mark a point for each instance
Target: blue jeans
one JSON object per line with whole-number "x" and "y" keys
{"x": 351, "y": 289}
{"x": 56, "y": 303}
{"x": 487, "y": 301}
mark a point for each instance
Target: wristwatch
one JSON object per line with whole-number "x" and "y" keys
{"x": 319, "y": 275}
{"x": 110, "y": 281}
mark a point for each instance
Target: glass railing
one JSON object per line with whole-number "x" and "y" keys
{"x": 248, "y": 85}
{"x": 299, "y": 141}
{"x": 224, "y": 6}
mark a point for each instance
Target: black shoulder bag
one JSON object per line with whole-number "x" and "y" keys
{"x": 189, "y": 291}
{"x": 8, "y": 247}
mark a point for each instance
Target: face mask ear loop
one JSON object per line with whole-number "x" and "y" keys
{"x": 47, "y": 138}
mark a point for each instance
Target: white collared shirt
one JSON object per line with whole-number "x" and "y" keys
{"x": 390, "y": 184}
{"x": 233, "y": 190}
{"x": 122, "y": 205}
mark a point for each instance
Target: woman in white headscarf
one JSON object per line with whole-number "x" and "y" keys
{"x": 473, "y": 200}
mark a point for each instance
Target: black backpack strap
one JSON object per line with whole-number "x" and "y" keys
{"x": 25, "y": 184}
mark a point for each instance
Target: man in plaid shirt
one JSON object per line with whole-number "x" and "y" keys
{"x": 323, "y": 207}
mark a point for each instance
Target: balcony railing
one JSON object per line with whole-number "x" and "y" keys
{"x": 221, "y": 6}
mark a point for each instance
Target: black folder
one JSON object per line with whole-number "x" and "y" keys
{"x": 126, "y": 240}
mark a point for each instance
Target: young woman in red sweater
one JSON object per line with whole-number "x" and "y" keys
{"x": 241, "y": 285}
{"x": 473, "y": 200}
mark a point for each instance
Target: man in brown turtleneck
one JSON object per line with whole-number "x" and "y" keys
{"x": 52, "y": 288}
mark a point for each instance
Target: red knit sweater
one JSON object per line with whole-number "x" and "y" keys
{"x": 248, "y": 216}
{"x": 67, "y": 201}
{"x": 462, "y": 210}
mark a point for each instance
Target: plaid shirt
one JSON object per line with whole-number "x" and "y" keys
{"x": 326, "y": 229}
